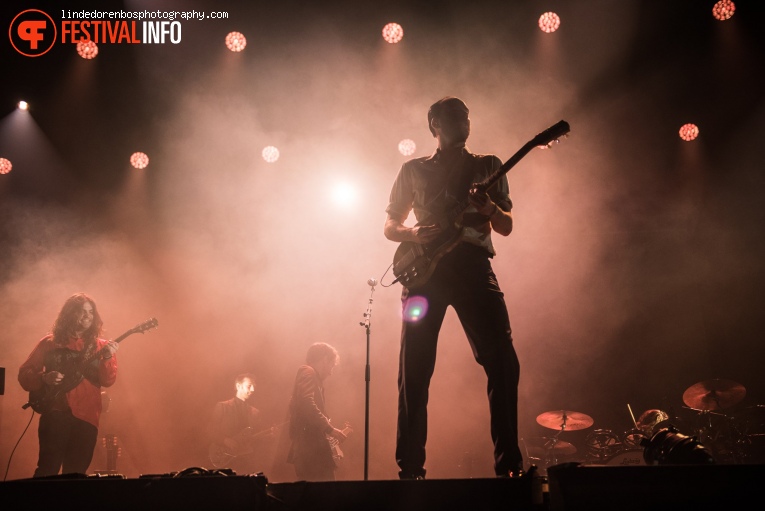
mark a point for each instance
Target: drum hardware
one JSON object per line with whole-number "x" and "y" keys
{"x": 602, "y": 444}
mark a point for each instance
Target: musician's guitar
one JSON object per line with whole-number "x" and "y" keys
{"x": 243, "y": 444}
{"x": 414, "y": 263}
{"x": 334, "y": 443}
{"x": 75, "y": 366}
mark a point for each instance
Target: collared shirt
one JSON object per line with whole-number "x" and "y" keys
{"x": 432, "y": 185}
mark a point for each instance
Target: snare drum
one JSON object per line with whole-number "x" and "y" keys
{"x": 629, "y": 457}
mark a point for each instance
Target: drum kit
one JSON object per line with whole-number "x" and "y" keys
{"x": 731, "y": 438}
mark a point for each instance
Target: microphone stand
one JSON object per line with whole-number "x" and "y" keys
{"x": 366, "y": 324}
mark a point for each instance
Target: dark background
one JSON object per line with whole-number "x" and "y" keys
{"x": 634, "y": 270}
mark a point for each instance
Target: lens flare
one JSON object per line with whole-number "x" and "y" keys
{"x": 415, "y": 308}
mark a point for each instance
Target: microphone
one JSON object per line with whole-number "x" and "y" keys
{"x": 372, "y": 282}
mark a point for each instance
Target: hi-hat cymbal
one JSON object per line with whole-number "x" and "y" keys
{"x": 542, "y": 444}
{"x": 565, "y": 420}
{"x": 714, "y": 394}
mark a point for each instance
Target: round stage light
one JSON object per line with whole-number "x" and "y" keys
{"x": 392, "y": 33}
{"x": 407, "y": 147}
{"x": 23, "y": 105}
{"x": 139, "y": 160}
{"x": 270, "y": 154}
{"x": 689, "y": 132}
{"x": 5, "y": 166}
{"x": 235, "y": 41}
{"x": 87, "y": 49}
{"x": 549, "y": 22}
{"x": 723, "y": 10}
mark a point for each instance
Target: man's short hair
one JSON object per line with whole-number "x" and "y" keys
{"x": 244, "y": 376}
{"x": 437, "y": 108}
{"x": 319, "y": 351}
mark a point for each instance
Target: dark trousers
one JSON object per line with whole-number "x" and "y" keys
{"x": 66, "y": 442}
{"x": 465, "y": 280}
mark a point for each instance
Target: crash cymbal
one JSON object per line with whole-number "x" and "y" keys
{"x": 565, "y": 420}
{"x": 714, "y": 394}
{"x": 541, "y": 444}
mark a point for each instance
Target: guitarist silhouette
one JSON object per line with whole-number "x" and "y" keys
{"x": 459, "y": 199}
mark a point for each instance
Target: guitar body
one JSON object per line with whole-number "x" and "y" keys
{"x": 414, "y": 263}
{"x": 75, "y": 366}
{"x": 334, "y": 443}
{"x": 65, "y": 361}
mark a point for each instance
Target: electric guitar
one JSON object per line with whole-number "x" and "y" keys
{"x": 414, "y": 263}
{"x": 334, "y": 443}
{"x": 220, "y": 455}
{"x": 75, "y": 366}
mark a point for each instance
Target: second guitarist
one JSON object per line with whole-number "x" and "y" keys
{"x": 235, "y": 430}
{"x": 311, "y": 432}
{"x": 69, "y": 430}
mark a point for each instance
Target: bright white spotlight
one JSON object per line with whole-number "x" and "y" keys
{"x": 344, "y": 194}
{"x": 23, "y": 105}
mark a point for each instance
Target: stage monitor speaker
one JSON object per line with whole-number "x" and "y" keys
{"x": 574, "y": 487}
{"x": 232, "y": 493}
{"x": 394, "y": 495}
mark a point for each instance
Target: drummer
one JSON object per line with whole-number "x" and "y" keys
{"x": 649, "y": 419}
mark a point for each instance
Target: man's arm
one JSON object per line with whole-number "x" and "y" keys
{"x": 395, "y": 230}
{"x": 501, "y": 220}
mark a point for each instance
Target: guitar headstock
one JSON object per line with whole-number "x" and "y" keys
{"x": 551, "y": 134}
{"x": 146, "y": 325}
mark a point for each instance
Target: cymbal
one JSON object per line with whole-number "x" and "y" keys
{"x": 565, "y": 420}
{"x": 714, "y": 394}
{"x": 542, "y": 444}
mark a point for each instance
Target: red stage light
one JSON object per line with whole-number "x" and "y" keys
{"x": 549, "y": 22}
{"x": 270, "y": 154}
{"x": 689, "y": 132}
{"x": 139, "y": 160}
{"x": 392, "y": 33}
{"x": 5, "y": 166}
{"x": 407, "y": 147}
{"x": 87, "y": 49}
{"x": 235, "y": 41}
{"x": 723, "y": 10}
